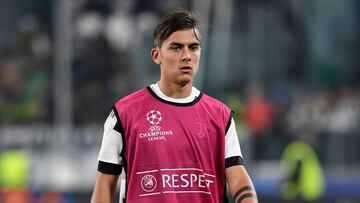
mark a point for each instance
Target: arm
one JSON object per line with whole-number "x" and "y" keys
{"x": 240, "y": 185}
{"x": 104, "y": 189}
{"x": 109, "y": 166}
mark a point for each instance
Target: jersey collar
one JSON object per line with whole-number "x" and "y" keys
{"x": 194, "y": 97}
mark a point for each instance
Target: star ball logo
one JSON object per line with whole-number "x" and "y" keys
{"x": 153, "y": 117}
{"x": 155, "y": 132}
{"x": 148, "y": 183}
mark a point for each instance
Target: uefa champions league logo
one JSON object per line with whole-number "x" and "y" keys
{"x": 148, "y": 183}
{"x": 154, "y": 117}
{"x": 155, "y": 132}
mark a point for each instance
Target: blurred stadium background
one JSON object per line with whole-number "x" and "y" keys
{"x": 288, "y": 68}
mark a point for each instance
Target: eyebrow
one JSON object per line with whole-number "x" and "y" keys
{"x": 181, "y": 45}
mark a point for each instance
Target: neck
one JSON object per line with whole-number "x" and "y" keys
{"x": 176, "y": 91}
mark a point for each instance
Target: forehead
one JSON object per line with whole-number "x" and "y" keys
{"x": 187, "y": 36}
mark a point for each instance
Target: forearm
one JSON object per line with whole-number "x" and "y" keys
{"x": 240, "y": 185}
{"x": 104, "y": 189}
{"x": 102, "y": 195}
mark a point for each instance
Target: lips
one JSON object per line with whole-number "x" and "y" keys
{"x": 186, "y": 68}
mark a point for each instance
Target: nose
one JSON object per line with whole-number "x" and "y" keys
{"x": 186, "y": 57}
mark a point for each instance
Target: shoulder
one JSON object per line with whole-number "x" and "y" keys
{"x": 217, "y": 109}
{"x": 214, "y": 102}
{"x": 133, "y": 99}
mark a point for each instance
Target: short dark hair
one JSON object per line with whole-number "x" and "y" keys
{"x": 179, "y": 19}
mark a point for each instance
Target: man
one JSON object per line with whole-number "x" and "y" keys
{"x": 175, "y": 143}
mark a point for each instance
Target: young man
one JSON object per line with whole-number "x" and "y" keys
{"x": 176, "y": 144}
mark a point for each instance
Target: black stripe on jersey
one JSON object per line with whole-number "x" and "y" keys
{"x": 233, "y": 161}
{"x": 229, "y": 122}
{"x": 174, "y": 103}
{"x": 109, "y": 168}
{"x": 118, "y": 127}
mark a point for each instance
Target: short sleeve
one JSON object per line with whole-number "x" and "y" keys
{"x": 233, "y": 155}
{"x": 110, "y": 160}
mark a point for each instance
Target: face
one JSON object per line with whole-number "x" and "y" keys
{"x": 178, "y": 57}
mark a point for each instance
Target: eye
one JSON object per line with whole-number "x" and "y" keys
{"x": 175, "y": 47}
{"x": 194, "y": 47}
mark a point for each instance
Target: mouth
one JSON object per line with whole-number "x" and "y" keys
{"x": 185, "y": 69}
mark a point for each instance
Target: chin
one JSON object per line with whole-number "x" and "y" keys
{"x": 185, "y": 82}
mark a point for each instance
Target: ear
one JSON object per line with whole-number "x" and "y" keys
{"x": 155, "y": 55}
